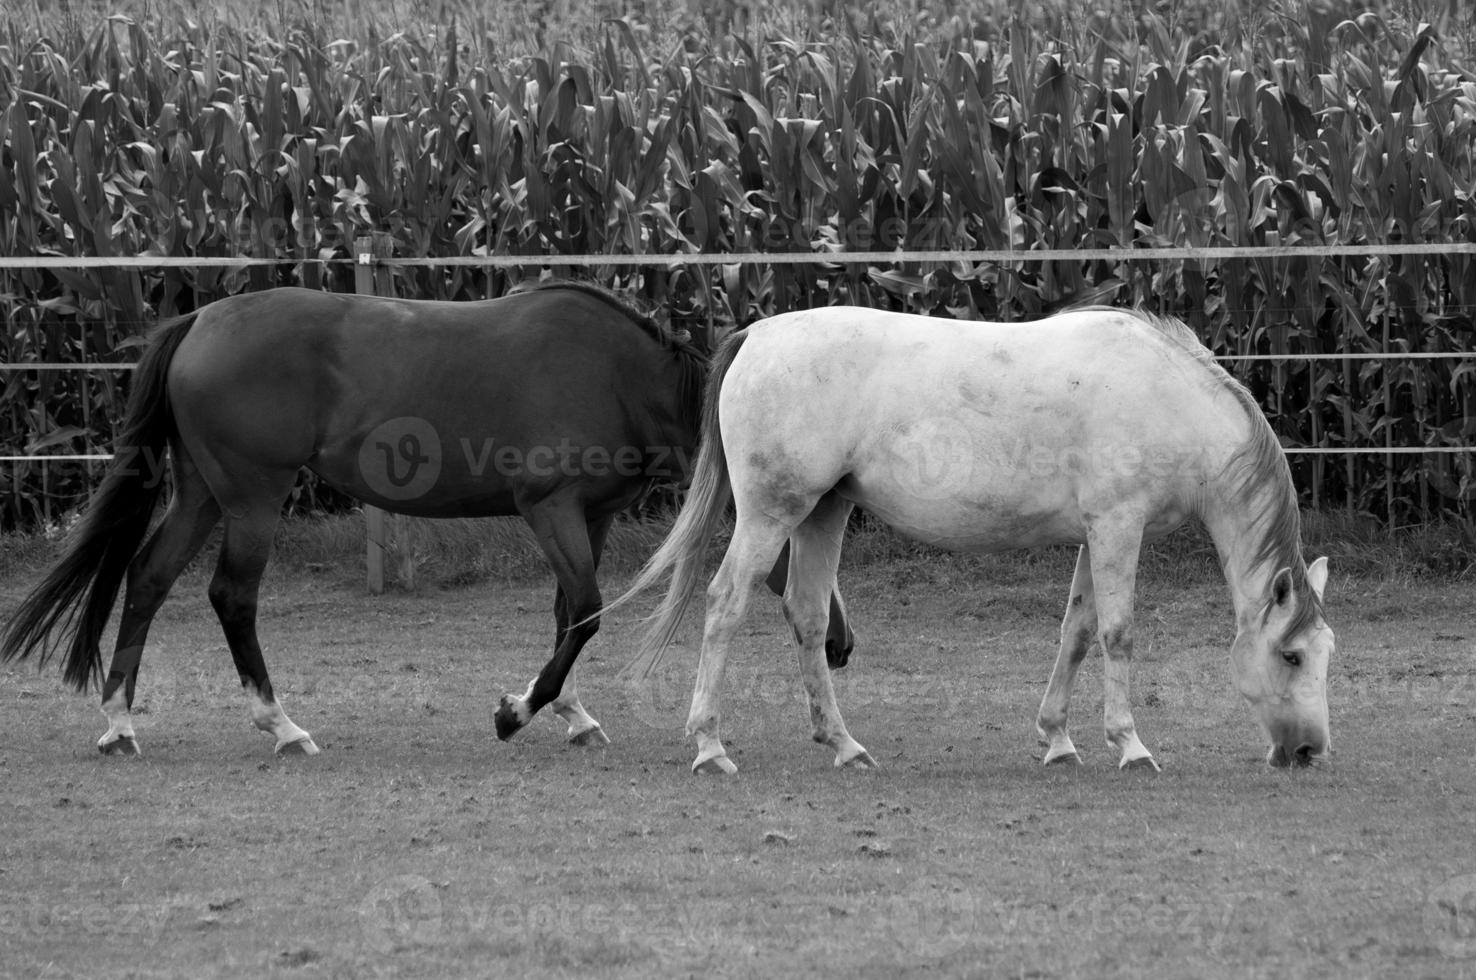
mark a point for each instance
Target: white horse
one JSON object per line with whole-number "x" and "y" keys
{"x": 1099, "y": 427}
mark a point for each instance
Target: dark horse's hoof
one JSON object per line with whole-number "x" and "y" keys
{"x": 508, "y": 718}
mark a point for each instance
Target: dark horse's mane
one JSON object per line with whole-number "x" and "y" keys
{"x": 693, "y": 360}
{"x": 658, "y": 330}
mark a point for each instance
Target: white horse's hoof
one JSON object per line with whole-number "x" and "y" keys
{"x": 716, "y": 765}
{"x": 300, "y": 746}
{"x": 1141, "y": 762}
{"x": 122, "y": 745}
{"x": 590, "y": 737}
{"x": 860, "y": 759}
{"x": 1060, "y": 751}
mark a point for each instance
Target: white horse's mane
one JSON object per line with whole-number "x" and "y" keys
{"x": 1257, "y": 473}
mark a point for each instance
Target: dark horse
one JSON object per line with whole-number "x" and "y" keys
{"x": 560, "y": 404}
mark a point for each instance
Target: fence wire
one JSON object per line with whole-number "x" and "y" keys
{"x": 674, "y": 260}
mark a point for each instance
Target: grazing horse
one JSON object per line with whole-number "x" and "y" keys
{"x": 1098, "y": 427}
{"x": 560, "y": 404}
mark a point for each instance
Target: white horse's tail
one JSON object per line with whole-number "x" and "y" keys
{"x": 685, "y": 547}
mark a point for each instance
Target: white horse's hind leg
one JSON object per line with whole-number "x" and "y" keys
{"x": 813, "y": 558}
{"x": 270, "y": 718}
{"x": 1114, "y": 563}
{"x": 583, "y": 730}
{"x": 1078, "y": 627}
{"x": 749, "y": 558}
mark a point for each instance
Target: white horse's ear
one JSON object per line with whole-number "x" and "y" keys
{"x": 1317, "y": 576}
{"x": 1281, "y": 588}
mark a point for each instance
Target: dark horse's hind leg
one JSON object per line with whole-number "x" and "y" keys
{"x": 583, "y": 730}
{"x": 191, "y": 514}
{"x": 233, "y": 593}
{"x": 573, "y": 550}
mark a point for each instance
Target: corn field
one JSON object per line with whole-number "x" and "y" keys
{"x": 551, "y": 129}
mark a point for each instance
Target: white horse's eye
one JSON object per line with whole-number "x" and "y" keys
{"x": 1292, "y": 657}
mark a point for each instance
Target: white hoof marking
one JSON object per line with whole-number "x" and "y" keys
{"x": 589, "y": 737}
{"x": 1061, "y": 751}
{"x": 717, "y": 765}
{"x": 861, "y": 760}
{"x": 304, "y": 746}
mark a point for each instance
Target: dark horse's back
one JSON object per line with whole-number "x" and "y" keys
{"x": 436, "y": 408}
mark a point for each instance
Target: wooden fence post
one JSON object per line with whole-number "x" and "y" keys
{"x": 373, "y": 279}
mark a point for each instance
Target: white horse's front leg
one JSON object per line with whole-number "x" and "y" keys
{"x": 1117, "y": 708}
{"x": 1114, "y": 564}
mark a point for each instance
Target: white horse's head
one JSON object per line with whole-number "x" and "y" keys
{"x": 1280, "y": 659}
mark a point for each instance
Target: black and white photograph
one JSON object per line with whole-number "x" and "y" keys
{"x": 738, "y": 488}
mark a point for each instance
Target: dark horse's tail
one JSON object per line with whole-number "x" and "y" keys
{"x": 682, "y": 551}
{"x": 78, "y": 594}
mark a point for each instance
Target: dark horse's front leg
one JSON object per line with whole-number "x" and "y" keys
{"x": 573, "y": 548}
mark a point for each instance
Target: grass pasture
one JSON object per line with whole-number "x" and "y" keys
{"x": 418, "y": 845}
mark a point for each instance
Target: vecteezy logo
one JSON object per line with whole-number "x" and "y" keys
{"x": 659, "y": 700}
{"x": 401, "y": 459}
{"x": 401, "y": 911}
{"x": 934, "y": 926}
{"x": 933, "y": 457}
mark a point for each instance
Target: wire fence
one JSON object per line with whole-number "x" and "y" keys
{"x": 675, "y": 259}
{"x": 834, "y": 258}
